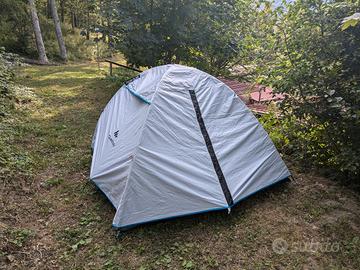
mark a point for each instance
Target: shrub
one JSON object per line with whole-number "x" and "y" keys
{"x": 6, "y": 83}
{"x": 307, "y": 143}
{"x": 317, "y": 65}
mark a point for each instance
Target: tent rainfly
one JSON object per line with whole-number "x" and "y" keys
{"x": 176, "y": 141}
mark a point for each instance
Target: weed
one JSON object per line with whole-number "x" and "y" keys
{"x": 45, "y": 207}
{"x": 80, "y": 243}
{"x": 53, "y": 182}
{"x": 20, "y": 236}
{"x": 188, "y": 264}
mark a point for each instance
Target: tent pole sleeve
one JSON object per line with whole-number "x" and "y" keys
{"x": 134, "y": 93}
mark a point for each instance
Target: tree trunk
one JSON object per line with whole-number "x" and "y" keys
{"x": 48, "y": 9}
{"x": 72, "y": 20}
{"x": 62, "y": 10}
{"x": 38, "y": 37}
{"x": 58, "y": 32}
{"x": 76, "y": 22}
{"x": 88, "y": 25}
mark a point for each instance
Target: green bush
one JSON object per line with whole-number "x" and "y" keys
{"x": 203, "y": 34}
{"x": 308, "y": 143}
{"x": 12, "y": 160}
{"x": 316, "y": 63}
{"x": 16, "y": 28}
{"x": 6, "y": 84}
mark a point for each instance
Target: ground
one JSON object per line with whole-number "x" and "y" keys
{"x": 52, "y": 217}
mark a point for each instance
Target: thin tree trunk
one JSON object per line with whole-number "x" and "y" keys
{"x": 48, "y": 9}
{"x": 38, "y": 37}
{"x": 62, "y": 10}
{"x": 58, "y": 32}
{"x": 75, "y": 20}
{"x": 88, "y": 25}
{"x": 105, "y": 37}
{"x": 72, "y": 20}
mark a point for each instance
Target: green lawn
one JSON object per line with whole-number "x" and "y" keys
{"x": 52, "y": 217}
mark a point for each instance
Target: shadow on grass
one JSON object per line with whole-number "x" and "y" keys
{"x": 72, "y": 98}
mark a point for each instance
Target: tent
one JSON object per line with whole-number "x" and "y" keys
{"x": 176, "y": 141}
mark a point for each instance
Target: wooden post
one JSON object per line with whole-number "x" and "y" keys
{"x": 110, "y": 69}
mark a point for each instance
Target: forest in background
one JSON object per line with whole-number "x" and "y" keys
{"x": 307, "y": 49}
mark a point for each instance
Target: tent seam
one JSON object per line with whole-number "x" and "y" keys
{"x": 140, "y": 137}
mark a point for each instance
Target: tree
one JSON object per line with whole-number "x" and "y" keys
{"x": 16, "y": 34}
{"x": 62, "y": 10}
{"x": 37, "y": 31}
{"x": 316, "y": 64}
{"x": 200, "y": 33}
{"x": 58, "y": 32}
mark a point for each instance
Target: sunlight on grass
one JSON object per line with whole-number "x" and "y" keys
{"x": 69, "y": 75}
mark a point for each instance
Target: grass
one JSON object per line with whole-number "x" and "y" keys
{"x": 53, "y": 217}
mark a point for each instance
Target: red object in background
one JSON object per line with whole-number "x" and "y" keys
{"x": 255, "y": 96}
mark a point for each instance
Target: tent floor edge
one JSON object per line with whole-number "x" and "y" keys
{"x": 131, "y": 226}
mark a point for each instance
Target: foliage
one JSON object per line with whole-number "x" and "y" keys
{"x": 12, "y": 160}
{"x": 203, "y": 33}
{"x": 77, "y": 45}
{"x": 274, "y": 45}
{"x": 352, "y": 20}
{"x": 8, "y": 89}
{"x": 15, "y": 30}
{"x": 16, "y": 33}
{"x": 324, "y": 82}
{"x": 300, "y": 141}
{"x": 53, "y": 182}
{"x": 20, "y": 236}
{"x": 6, "y": 78}
{"x": 316, "y": 64}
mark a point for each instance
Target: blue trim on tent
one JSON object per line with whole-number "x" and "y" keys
{"x": 203, "y": 211}
{"x": 168, "y": 218}
{"x": 134, "y": 93}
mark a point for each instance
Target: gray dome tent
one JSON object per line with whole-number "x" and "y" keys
{"x": 176, "y": 141}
